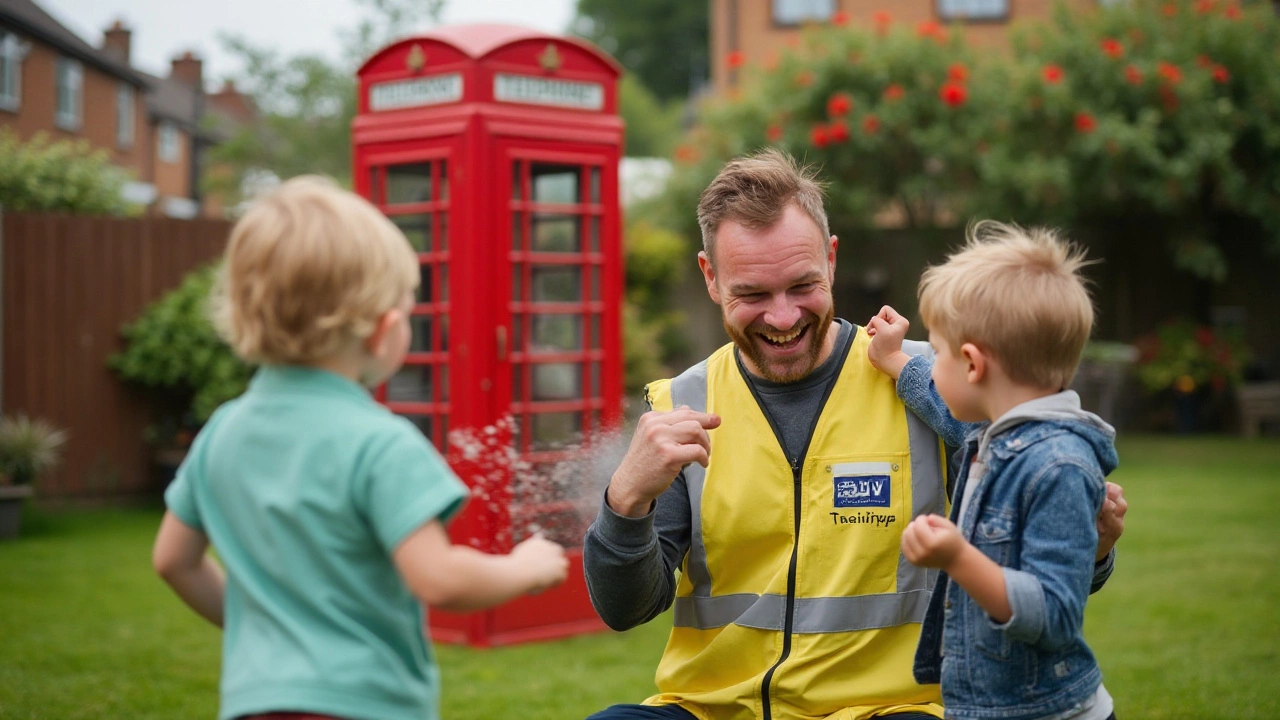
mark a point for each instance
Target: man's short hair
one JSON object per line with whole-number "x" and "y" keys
{"x": 1017, "y": 294}
{"x": 309, "y": 268}
{"x": 754, "y": 191}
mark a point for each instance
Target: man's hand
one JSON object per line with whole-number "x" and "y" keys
{"x": 932, "y": 541}
{"x": 1111, "y": 519}
{"x": 664, "y": 442}
{"x": 887, "y": 330}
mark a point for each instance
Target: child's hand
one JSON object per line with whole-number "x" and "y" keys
{"x": 543, "y": 561}
{"x": 887, "y": 330}
{"x": 932, "y": 541}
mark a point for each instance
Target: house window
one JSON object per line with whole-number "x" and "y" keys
{"x": 11, "y": 52}
{"x": 124, "y": 115}
{"x": 169, "y": 148}
{"x": 794, "y": 12}
{"x": 973, "y": 9}
{"x": 70, "y": 89}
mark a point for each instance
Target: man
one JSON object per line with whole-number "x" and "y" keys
{"x": 793, "y": 599}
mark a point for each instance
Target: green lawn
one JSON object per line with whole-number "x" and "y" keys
{"x": 1189, "y": 626}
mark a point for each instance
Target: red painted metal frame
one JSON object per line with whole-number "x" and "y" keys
{"x": 479, "y": 139}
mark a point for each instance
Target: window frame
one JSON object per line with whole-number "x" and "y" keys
{"x": 126, "y": 115}
{"x": 781, "y": 23}
{"x": 68, "y": 82}
{"x": 943, "y": 16}
{"x": 12, "y": 52}
{"x": 168, "y": 143}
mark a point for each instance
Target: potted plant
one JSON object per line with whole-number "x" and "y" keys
{"x": 28, "y": 448}
{"x": 173, "y": 353}
{"x": 1188, "y": 362}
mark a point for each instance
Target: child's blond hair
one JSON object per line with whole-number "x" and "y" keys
{"x": 308, "y": 270}
{"x": 1016, "y": 293}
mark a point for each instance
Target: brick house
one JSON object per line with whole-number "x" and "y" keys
{"x": 156, "y": 128}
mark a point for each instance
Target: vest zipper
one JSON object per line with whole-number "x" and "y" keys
{"x": 797, "y": 463}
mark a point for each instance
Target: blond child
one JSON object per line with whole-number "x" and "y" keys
{"x": 326, "y": 510}
{"x": 1008, "y": 316}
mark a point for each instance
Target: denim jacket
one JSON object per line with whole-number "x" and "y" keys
{"x": 1034, "y": 514}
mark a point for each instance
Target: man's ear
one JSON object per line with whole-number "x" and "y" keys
{"x": 831, "y": 260}
{"x": 709, "y": 275}
{"x": 378, "y": 343}
{"x": 977, "y": 362}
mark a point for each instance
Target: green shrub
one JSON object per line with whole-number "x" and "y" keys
{"x": 173, "y": 350}
{"x": 43, "y": 176}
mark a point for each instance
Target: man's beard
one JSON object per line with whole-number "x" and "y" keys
{"x": 794, "y": 369}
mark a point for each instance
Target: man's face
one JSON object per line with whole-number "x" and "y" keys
{"x": 773, "y": 286}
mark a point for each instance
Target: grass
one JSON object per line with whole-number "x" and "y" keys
{"x": 1188, "y": 627}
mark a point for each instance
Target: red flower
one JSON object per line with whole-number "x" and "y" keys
{"x": 735, "y": 59}
{"x": 804, "y": 78}
{"x": 1204, "y": 337}
{"x": 1168, "y": 98}
{"x": 894, "y": 93}
{"x": 1133, "y": 75}
{"x": 953, "y": 94}
{"x": 1220, "y": 75}
{"x": 839, "y": 105}
{"x": 871, "y": 124}
{"x": 958, "y": 72}
{"x": 840, "y": 19}
{"x": 1112, "y": 48}
{"x": 1085, "y": 123}
{"x": 1052, "y": 74}
{"x": 838, "y": 132}
{"x": 1204, "y": 7}
{"x": 1232, "y": 12}
{"x": 818, "y": 136}
{"x": 882, "y": 20}
{"x": 686, "y": 154}
{"x": 773, "y": 132}
{"x": 1169, "y": 72}
{"x": 1204, "y": 61}
{"x": 1169, "y": 10}
{"x": 930, "y": 29}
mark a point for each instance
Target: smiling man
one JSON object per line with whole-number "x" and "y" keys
{"x": 793, "y": 600}
{"x": 777, "y": 477}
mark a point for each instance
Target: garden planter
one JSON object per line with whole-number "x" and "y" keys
{"x": 12, "y": 498}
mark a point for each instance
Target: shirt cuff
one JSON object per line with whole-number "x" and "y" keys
{"x": 1026, "y": 599}
{"x": 917, "y": 371}
{"x": 1102, "y": 570}
{"x": 622, "y": 532}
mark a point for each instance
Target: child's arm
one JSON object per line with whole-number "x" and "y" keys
{"x": 460, "y": 579}
{"x": 934, "y": 541}
{"x": 913, "y": 376}
{"x": 179, "y": 557}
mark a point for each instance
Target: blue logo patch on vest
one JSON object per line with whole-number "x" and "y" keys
{"x": 862, "y": 491}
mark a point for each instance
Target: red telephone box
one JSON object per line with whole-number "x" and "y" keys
{"x": 495, "y": 149}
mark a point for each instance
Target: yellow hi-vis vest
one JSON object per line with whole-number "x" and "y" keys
{"x": 794, "y": 601}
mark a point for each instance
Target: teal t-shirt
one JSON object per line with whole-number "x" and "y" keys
{"x": 304, "y": 486}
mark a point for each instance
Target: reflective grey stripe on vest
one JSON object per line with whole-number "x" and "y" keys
{"x": 690, "y": 388}
{"x": 812, "y": 615}
{"x": 928, "y": 481}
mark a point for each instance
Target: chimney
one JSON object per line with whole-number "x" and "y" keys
{"x": 233, "y": 102}
{"x": 116, "y": 40}
{"x": 188, "y": 69}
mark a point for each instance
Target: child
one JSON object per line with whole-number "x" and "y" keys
{"x": 1008, "y": 317}
{"x": 326, "y": 510}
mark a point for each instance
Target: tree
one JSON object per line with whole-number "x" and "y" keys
{"x": 652, "y": 126}
{"x": 664, "y": 42}
{"x": 306, "y": 102}
{"x": 43, "y": 176}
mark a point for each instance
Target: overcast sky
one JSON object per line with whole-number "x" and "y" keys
{"x": 163, "y": 29}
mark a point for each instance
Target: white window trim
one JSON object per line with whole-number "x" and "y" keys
{"x": 72, "y": 121}
{"x": 1003, "y": 15}
{"x": 15, "y": 51}
{"x": 126, "y": 116}
{"x": 815, "y": 17}
{"x": 170, "y": 152}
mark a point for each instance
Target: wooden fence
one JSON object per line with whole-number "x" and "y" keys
{"x": 67, "y": 285}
